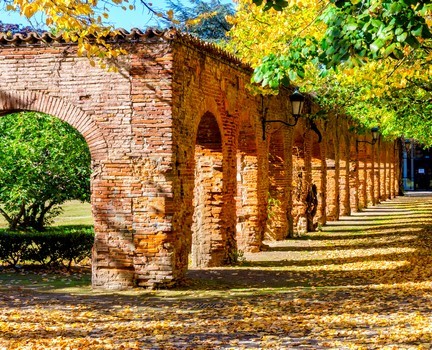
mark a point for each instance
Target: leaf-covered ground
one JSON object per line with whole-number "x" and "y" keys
{"x": 362, "y": 283}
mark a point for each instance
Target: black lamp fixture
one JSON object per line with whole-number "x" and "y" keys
{"x": 297, "y": 103}
{"x": 408, "y": 144}
{"x": 375, "y": 136}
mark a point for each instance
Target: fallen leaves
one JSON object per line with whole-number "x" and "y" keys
{"x": 353, "y": 289}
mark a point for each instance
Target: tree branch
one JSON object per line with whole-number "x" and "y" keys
{"x": 156, "y": 13}
{"x": 6, "y": 216}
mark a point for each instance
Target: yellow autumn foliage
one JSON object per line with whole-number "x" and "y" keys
{"x": 354, "y": 88}
{"x": 79, "y": 21}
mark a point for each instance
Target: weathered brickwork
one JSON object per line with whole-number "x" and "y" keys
{"x": 277, "y": 227}
{"x": 182, "y": 175}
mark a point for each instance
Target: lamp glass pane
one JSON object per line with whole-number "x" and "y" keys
{"x": 297, "y": 107}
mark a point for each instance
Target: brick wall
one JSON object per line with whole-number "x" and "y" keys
{"x": 182, "y": 175}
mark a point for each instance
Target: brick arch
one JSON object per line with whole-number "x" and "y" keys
{"x": 209, "y": 106}
{"x": 12, "y": 101}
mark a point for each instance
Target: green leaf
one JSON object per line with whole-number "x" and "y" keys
{"x": 401, "y": 38}
{"x": 377, "y": 45}
{"x": 398, "y": 31}
{"x": 389, "y": 49}
{"x": 413, "y": 42}
{"x": 351, "y": 26}
{"x": 285, "y": 81}
{"x": 417, "y": 30}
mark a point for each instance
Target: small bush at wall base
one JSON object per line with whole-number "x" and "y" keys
{"x": 58, "y": 246}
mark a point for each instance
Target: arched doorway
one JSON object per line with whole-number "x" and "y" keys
{"x": 208, "y": 242}
{"x": 112, "y": 266}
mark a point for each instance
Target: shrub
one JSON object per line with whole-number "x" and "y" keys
{"x": 13, "y": 247}
{"x": 58, "y": 246}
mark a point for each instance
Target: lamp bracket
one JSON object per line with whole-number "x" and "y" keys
{"x": 264, "y": 122}
{"x": 369, "y": 142}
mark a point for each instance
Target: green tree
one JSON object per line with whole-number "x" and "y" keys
{"x": 43, "y": 163}
{"x": 373, "y": 84}
{"x": 369, "y": 29}
{"x": 204, "y": 19}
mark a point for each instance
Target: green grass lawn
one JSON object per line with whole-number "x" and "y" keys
{"x": 75, "y": 213}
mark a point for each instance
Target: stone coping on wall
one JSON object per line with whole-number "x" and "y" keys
{"x": 135, "y": 36}
{"x": 122, "y": 36}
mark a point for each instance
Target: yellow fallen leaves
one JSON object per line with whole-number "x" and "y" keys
{"x": 372, "y": 290}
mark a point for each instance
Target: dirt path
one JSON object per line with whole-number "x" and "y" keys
{"x": 362, "y": 283}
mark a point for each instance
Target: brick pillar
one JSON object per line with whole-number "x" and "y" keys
{"x": 391, "y": 172}
{"x": 298, "y": 176}
{"x": 376, "y": 172}
{"x": 307, "y": 184}
{"x": 332, "y": 163}
{"x": 318, "y": 178}
{"x": 337, "y": 173}
{"x": 354, "y": 175}
{"x": 398, "y": 171}
{"x": 382, "y": 147}
{"x": 386, "y": 172}
{"x": 302, "y": 175}
{"x": 290, "y": 186}
{"x": 248, "y": 230}
{"x": 394, "y": 166}
{"x": 344, "y": 183}
{"x": 322, "y": 190}
{"x": 113, "y": 250}
{"x": 362, "y": 163}
{"x": 394, "y": 153}
{"x": 228, "y": 213}
{"x": 370, "y": 177}
{"x": 277, "y": 222}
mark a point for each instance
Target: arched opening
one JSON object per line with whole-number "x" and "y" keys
{"x": 299, "y": 181}
{"x": 316, "y": 197}
{"x": 248, "y": 234}
{"x": 112, "y": 265}
{"x": 277, "y": 223}
{"x": 45, "y": 168}
{"x": 207, "y": 235}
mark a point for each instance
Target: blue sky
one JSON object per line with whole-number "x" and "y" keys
{"x": 140, "y": 18}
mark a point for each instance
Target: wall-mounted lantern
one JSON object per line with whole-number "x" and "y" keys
{"x": 375, "y": 136}
{"x": 297, "y": 103}
{"x": 408, "y": 143}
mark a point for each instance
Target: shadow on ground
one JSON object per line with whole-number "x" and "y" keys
{"x": 368, "y": 288}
